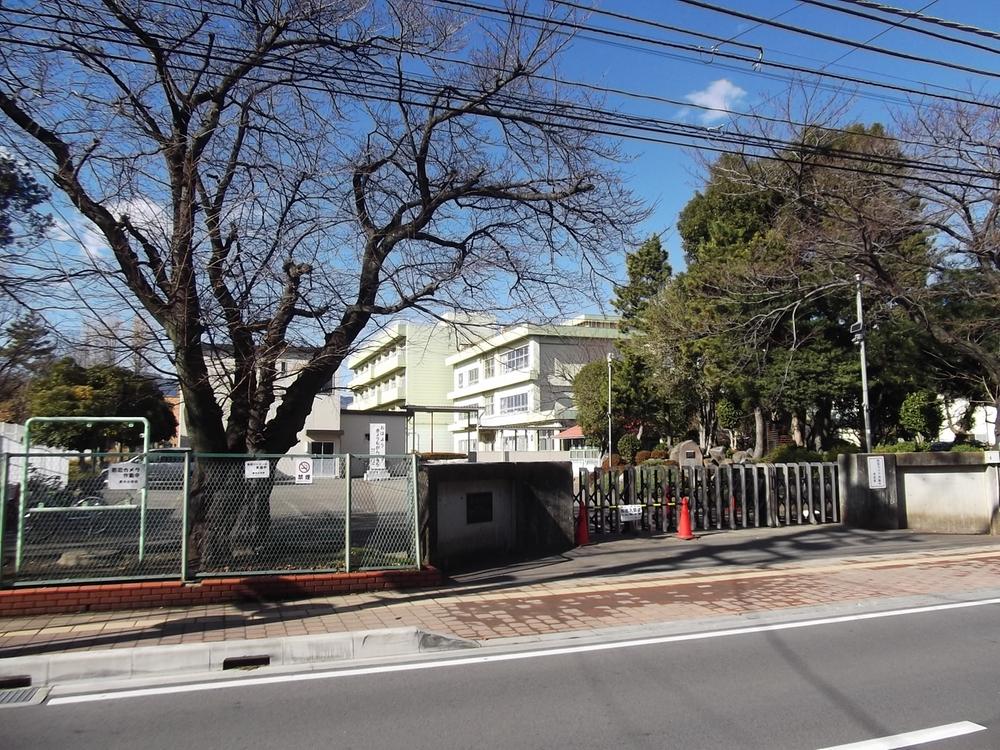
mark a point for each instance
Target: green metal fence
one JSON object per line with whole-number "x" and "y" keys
{"x": 122, "y": 516}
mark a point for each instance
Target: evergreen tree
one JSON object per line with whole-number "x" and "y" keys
{"x": 69, "y": 390}
{"x": 648, "y": 271}
{"x": 27, "y": 348}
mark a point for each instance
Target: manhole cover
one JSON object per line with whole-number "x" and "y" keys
{"x": 28, "y": 696}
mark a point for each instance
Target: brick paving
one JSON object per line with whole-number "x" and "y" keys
{"x": 494, "y": 610}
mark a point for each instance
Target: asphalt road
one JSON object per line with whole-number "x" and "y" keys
{"x": 822, "y": 686}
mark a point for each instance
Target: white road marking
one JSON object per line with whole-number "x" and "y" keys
{"x": 909, "y": 739}
{"x": 489, "y": 659}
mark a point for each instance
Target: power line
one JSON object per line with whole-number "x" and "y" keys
{"x": 626, "y": 125}
{"x": 915, "y": 29}
{"x": 716, "y": 53}
{"x": 883, "y": 32}
{"x": 956, "y": 25}
{"x": 662, "y": 26}
{"x": 626, "y": 120}
{"x": 97, "y": 36}
{"x": 836, "y": 39}
{"x": 650, "y": 131}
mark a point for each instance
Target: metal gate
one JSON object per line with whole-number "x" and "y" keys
{"x": 730, "y": 496}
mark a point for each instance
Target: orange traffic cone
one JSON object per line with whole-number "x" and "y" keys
{"x": 684, "y": 522}
{"x": 582, "y": 527}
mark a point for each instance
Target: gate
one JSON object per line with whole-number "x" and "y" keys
{"x": 728, "y": 496}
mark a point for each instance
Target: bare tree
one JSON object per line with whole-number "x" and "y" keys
{"x": 273, "y": 174}
{"x": 960, "y": 304}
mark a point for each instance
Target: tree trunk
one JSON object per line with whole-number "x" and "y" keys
{"x": 996, "y": 422}
{"x": 797, "y": 430}
{"x": 760, "y": 432}
{"x": 819, "y": 437}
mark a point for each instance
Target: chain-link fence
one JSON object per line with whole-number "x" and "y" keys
{"x": 122, "y": 516}
{"x": 383, "y": 532}
{"x": 91, "y": 518}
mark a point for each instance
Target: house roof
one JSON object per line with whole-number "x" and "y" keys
{"x": 570, "y": 433}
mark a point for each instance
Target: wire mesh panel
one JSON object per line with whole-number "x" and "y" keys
{"x": 104, "y": 516}
{"x": 264, "y": 514}
{"x": 382, "y": 512}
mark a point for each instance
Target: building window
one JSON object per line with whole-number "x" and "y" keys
{"x": 473, "y": 376}
{"x": 515, "y": 440}
{"x": 479, "y": 507}
{"x": 488, "y": 408}
{"x": 546, "y": 440}
{"x": 282, "y": 367}
{"x": 488, "y": 367}
{"x": 461, "y": 379}
{"x": 515, "y": 359}
{"x": 322, "y": 448}
{"x": 516, "y": 404}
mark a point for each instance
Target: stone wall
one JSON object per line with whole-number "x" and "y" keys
{"x": 956, "y": 493}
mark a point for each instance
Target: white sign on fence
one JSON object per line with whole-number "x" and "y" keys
{"x": 303, "y": 471}
{"x": 126, "y": 476}
{"x": 257, "y": 470}
{"x": 876, "y": 472}
{"x": 376, "y": 451}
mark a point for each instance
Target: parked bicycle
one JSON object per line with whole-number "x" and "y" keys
{"x": 74, "y": 516}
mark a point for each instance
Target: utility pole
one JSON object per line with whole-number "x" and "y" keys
{"x": 858, "y": 329}
{"x": 610, "y": 449}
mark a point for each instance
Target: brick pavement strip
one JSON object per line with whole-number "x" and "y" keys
{"x": 486, "y": 612}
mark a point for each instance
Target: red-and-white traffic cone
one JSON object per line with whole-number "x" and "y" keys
{"x": 684, "y": 521}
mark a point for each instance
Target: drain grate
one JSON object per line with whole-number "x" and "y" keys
{"x": 19, "y": 696}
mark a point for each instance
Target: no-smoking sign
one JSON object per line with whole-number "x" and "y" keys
{"x": 303, "y": 471}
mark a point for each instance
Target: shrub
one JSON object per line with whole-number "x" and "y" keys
{"x": 921, "y": 416}
{"x": 616, "y": 460}
{"x": 658, "y": 462}
{"x": 907, "y": 446}
{"x": 659, "y": 453}
{"x": 441, "y": 456}
{"x": 642, "y": 456}
{"x": 628, "y": 446}
{"x": 966, "y": 448}
{"x": 841, "y": 448}
{"x": 791, "y": 454}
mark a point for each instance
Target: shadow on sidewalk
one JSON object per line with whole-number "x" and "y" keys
{"x": 627, "y": 555}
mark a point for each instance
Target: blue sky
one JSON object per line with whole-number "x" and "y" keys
{"x": 667, "y": 175}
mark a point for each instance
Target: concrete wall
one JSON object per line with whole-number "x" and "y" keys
{"x": 357, "y": 431}
{"x": 957, "y": 493}
{"x": 532, "y": 511}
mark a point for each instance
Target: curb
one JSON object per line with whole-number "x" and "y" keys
{"x": 154, "y": 661}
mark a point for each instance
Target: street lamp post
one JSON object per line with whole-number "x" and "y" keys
{"x": 858, "y": 329}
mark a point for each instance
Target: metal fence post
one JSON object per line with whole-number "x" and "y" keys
{"x": 347, "y": 513}
{"x": 3, "y": 506}
{"x": 416, "y": 509}
{"x": 22, "y": 505}
{"x": 185, "y": 489}
{"x": 143, "y": 494}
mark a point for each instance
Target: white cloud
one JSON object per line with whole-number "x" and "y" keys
{"x": 82, "y": 233}
{"x": 719, "y": 97}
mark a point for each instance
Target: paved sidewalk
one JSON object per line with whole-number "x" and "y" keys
{"x": 631, "y": 582}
